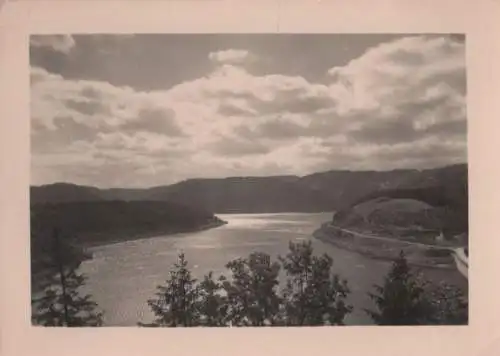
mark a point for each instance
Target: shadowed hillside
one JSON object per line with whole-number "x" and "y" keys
{"x": 86, "y": 223}
{"x": 64, "y": 192}
{"x": 326, "y": 191}
{"x": 440, "y": 195}
{"x": 245, "y": 195}
{"x": 443, "y": 186}
{"x": 107, "y": 221}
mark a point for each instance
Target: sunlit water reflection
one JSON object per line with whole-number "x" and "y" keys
{"x": 123, "y": 276}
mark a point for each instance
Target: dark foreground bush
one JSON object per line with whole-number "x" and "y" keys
{"x": 408, "y": 299}
{"x": 313, "y": 293}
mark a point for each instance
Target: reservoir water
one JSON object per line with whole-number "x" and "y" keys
{"x": 123, "y": 276}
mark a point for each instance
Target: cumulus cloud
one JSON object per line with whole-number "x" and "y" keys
{"x": 72, "y": 119}
{"x": 97, "y": 105}
{"x": 403, "y": 90}
{"x": 58, "y": 43}
{"x": 230, "y": 56}
{"x": 391, "y": 71}
{"x": 400, "y": 104}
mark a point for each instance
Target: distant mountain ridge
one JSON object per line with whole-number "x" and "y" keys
{"x": 324, "y": 191}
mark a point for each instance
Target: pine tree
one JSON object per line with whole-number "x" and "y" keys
{"x": 176, "y": 302}
{"x": 212, "y": 305}
{"x": 402, "y": 299}
{"x": 59, "y": 302}
{"x": 313, "y": 295}
{"x": 252, "y": 292}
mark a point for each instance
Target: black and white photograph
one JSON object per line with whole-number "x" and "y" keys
{"x": 232, "y": 180}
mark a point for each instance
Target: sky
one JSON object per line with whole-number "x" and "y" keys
{"x": 148, "y": 110}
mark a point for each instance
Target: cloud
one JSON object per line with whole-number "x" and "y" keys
{"x": 230, "y": 56}
{"x": 404, "y": 91}
{"x": 97, "y": 105}
{"x": 157, "y": 120}
{"x": 58, "y": 43}
{"x": 400, "y": 104}
{"x": 388, "y": 73}
{"x": 92, "y": 125}
{"x": 230, "y": 146}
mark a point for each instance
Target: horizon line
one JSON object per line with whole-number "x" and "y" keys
{"x": 249, "y": 176}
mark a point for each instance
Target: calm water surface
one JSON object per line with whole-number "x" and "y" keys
{"x": 123, "y": 276}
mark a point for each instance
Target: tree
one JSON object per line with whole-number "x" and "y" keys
{"x": 212, "y": 305}
{"x": 449, "y": 303}
{"x": 402, "y": 299}
{"x": 252, "y": 292}
{"x": 176, "y": 302}
{"x": 313, "y": 295}
{"x": 59, "y": 303}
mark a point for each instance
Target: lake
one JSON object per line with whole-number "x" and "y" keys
{"x": 123, "y": 276}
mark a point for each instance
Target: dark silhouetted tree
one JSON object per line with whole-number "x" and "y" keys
{"x": 59, "y": 302}
{"x": 176, "y": 301}
{"x": 402, "y": 299}
{"x": 212, "y": 304}
{"x": 252, "y": 291}
{"x": 313, "y": 295}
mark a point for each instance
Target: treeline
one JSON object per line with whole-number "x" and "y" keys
{"x": 98, "y": 222}
{"x": 449, "y": 211}
{"x": 57, "y": 299}
{"x": 435, "y": 196}
{"x": 323, "y": 191}
{"x": 87, "y": 218}
{"x": 250, "y": 295}
{"x": 450, "y": 201}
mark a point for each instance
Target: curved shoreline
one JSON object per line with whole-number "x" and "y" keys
{"x": 385, "y": 250}
{"x": 153, "y": 234}
{"x": 39, "y": 276}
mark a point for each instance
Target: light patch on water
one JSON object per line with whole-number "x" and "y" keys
{"x": 203, "y": 247}
{"x": 255, "y": 221}
{"x": 288, "y": 231}
{"x": 228, "y": 246}
{"x": 123, "y": 276}
{"x": 258, "y": 223}
{"x": 167, "y": 253}
{"x": 301, "y": 239}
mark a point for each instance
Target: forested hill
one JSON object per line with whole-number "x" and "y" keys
{"x": 86, "y": 223}
{"x": 346, "y": 188}
{"x": 91, "y": 222}
{"x": 228, "y": 195}
{"x": 246, "y": 195}
{"x": 325, "y": 191}
{"x": 438, "y": 200}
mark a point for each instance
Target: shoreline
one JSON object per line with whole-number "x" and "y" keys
{"x": 88, "y": 248}
{"x": 152, "y": 234}
{"x": 377, "y": 250}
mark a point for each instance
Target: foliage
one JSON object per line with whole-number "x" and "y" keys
{"x": 402, "y": 299}
{"x": 449, "y": 210}
{"x": 252, "y": 293}
{"x": 212, "y": 305}
{"x": 250, "y": 296}
{"x": 176, "y": 302}
{"x": 405, "y": 299}
{"x": 92, "y": 222}
{"x": 59, "y": 302}
{"x": 450, "y": 305}
{"x": 313, "y": 295}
